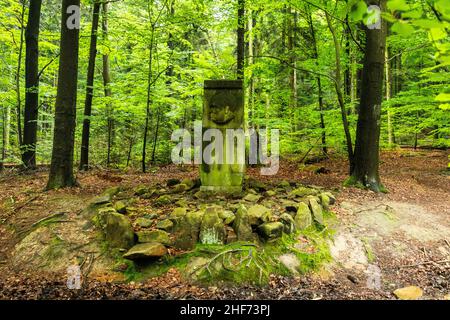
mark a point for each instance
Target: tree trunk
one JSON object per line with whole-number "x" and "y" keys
{"x": 338, "y": 87}
{"x": 155, "y": 138}
{"x": 61, "y": 168}
{"x": 388, "y": 97}
{"x": 366, "y": 170}
{"x": 106, "y": 74}
{"x": 241, "y": 39}
{"x": 293, "y": 70}
{"x": 319, "y": 84}
{"x": 5, "y": 134}
{"x": 84, "y": 159}
{"x": 31, "y": 86}
{"x": 19, "y": 67}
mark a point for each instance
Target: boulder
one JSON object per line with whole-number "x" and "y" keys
{"x": 140, "y": 190}
{"x": 111, "y": 192}
{"x": 191, "y": 183}
{"x": 288, "y": 222}
{"x": 173, "y": 182}
{"x": 242, "y": 226}
{"x": 166, "y": 225}
{"x": 284, "y": 184}
{"x": 316, "y": 210}
{"x": 116, "y": 228}
{"x": 178, "y": 214}
{"x": 252, "y": 197}
{"x": 252, "y": 183}
{"x": 227, "y": 216}
{"x": 187, "y": 230}
{"x": 144, "y": 222}
{"x": 180, "y": 188}
{"x": 271, "y": 193}
{"x": 154, "y": 236}
{"x": 120, "y": 207}
{"x": 408, "y": 293}
{"x": 259, "y": 214}
{"x": 302, "y": 192}
{"x": 212, "y": 229}
{"x": 303, "y": 218}
{"x": 271, "y": 230}
{"x": 162, "y": 201}
{"x": 145, "y": 251}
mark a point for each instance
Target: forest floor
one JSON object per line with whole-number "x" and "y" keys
{"x": 403, "y": 235}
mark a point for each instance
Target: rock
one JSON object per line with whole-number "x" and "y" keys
{"x": 259, "y": 214}
{"x": 331, "y": 197}
{"x": 117, "y": 228}
{"x": 103, "y": 199}
{"x": 242, "y": 225}
{"x": 231, "y": 235}
{"x": 227, "y": 216}
{"x": 271, "y": 230}
{"x": 290, "y": 206}
{"x": 166, "y": 225}
{"x": 291, "y": 262}
{"x": 212, "y": 229}
{"x": 191, "y": 184}
{"x": 154, "y": 236}
{"x": 316, "y": 210}
{"x": 284, "y": 184}
{"x": 271, "y": 193}
{"x": 325, "y": 201}
{"x": 303, "y": 218}
{"x": 146, "y": 250}
{"x": 195, "y": 267}
{"x": 172, "y": 182}
{"x": 140, "y": 190}
{"x": 111, "y": 192}
{"x": 302, "y": 192}
{"x": 409, "y": 293}
{"x": 144, "y": 222}
{"x": 187, "y": 230}
{"x": 180, "y": 188}
{"x": 288, "y": 222}
{"x": 182, "y": 203}
{"x": 252, "y": 183}
{"x": 120, "y": 207}
{"x": 162, "y": 201}
{"x": 252, "y": 197}
{"x": 201, "y": 195}
{"x": 177, "y": 214}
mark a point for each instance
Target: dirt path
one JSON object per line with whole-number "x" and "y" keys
{"x": 393, "y": 240}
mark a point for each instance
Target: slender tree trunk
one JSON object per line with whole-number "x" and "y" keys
{"x": 366, "y": 170}
{"x": 319, "y": 84}
{"x": 241, "y": 39}
{"x": 19, "y": 67}
{"x": 293, "y": 70}
{"x": 388, "y": 97}
{"x": 251, "y": 55}
{"x": 31, "y": 86}
{"x": 107, "y": 85}
{"x": 149, "y": 101}
{"x": 84, "y": 159}
{"x": 338, "y": 87}
{"x": 155, "y": 138}
{"x": 5, "y": 134}
{"x": 61, "y": 168}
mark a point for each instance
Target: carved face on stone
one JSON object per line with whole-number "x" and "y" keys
{"x": 223, "y": 110}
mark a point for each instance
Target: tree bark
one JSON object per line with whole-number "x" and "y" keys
{"x": 5, "y": 134}
{"x": 241, "y": 39}
{"x": 31, "y": 86}
{"x": 388, "y": 97}
{"x": 84, "y": 157}
{"x": 366, "y": 170}
{"x": 319, "y": 84}
{"x": 19, "y": 67}
{"x": 106, "y": 74}
{"x": 338, "y": 87}
{"x": 61, "y": 168}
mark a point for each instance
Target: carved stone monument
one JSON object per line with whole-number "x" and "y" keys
{"x": 223, "y": 109}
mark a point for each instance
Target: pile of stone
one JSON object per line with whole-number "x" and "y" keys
{"x": 287, "y": 210}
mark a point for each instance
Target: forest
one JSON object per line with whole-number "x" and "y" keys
{"x": 92, "y": 91}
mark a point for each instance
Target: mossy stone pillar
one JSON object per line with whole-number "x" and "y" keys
{"x": 223, "y": 109}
